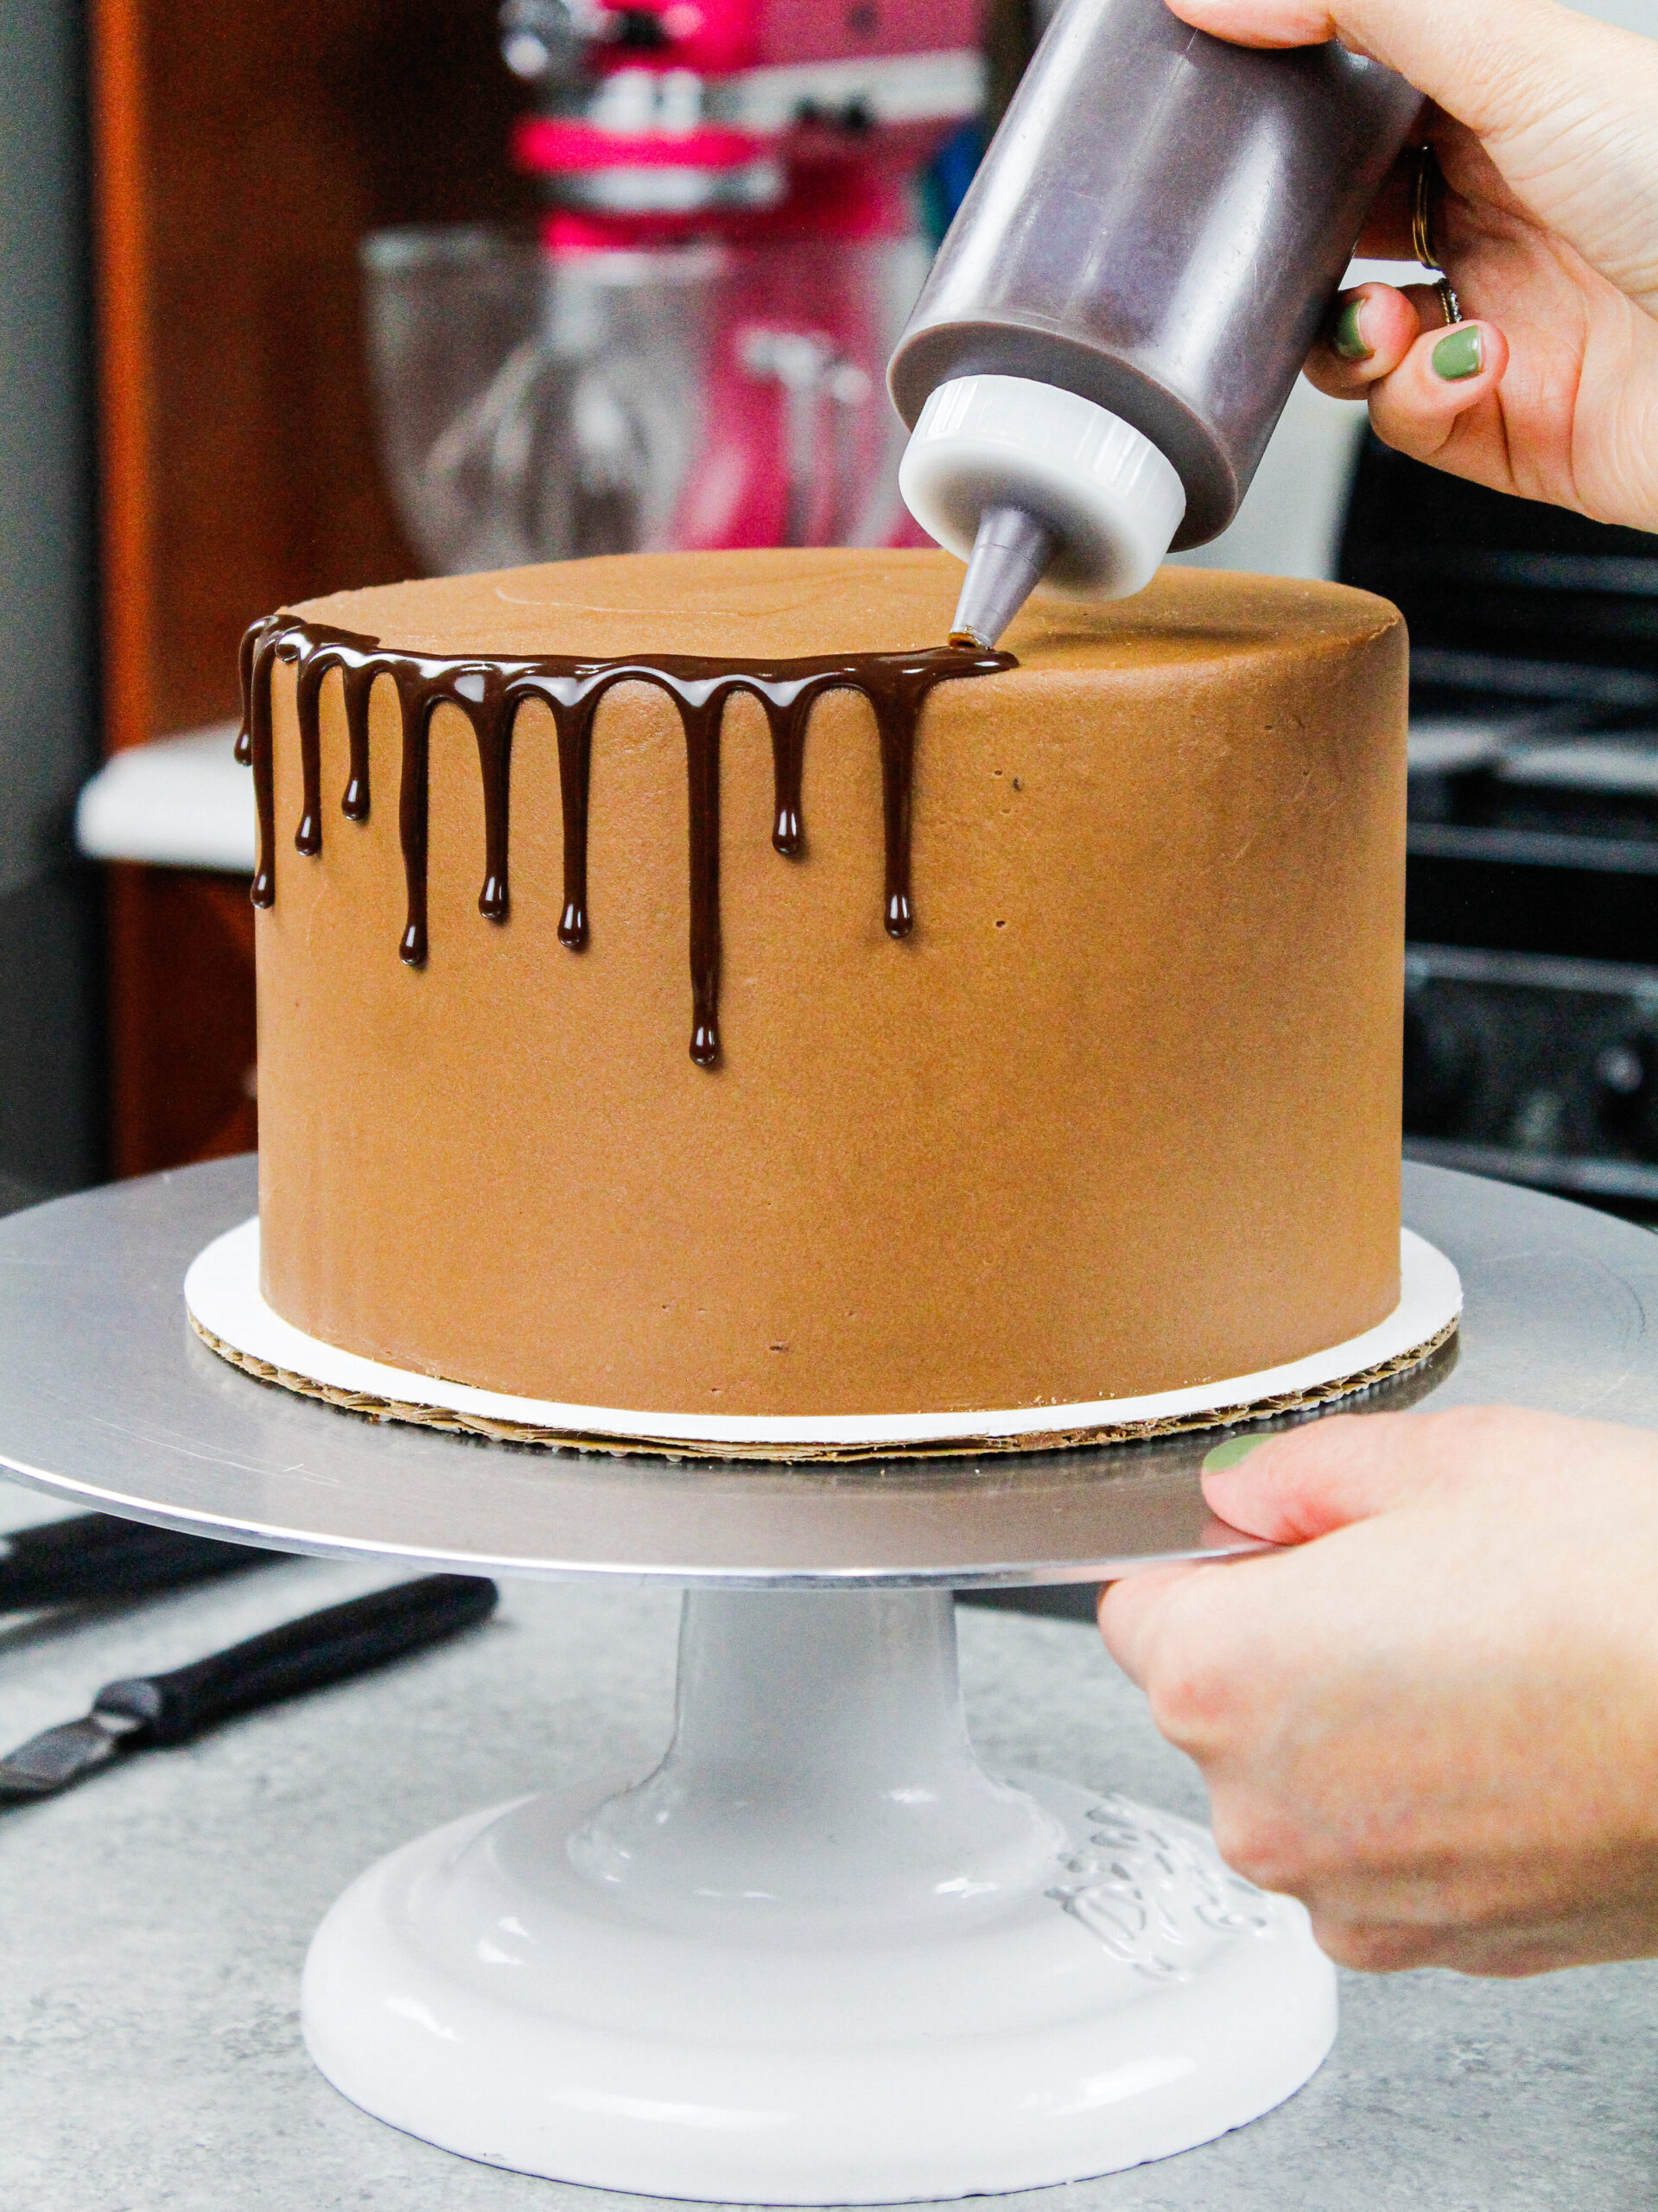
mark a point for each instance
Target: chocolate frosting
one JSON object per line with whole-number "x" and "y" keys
{"x": 1121, "y": 1114}
{"x": 489, "y": 691}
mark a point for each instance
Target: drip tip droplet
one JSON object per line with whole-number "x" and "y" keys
{"x": 1009, "y": 554}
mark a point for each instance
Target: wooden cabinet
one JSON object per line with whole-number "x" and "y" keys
{"x": 240, "y": 152}
{"x": 183, "y": 1021}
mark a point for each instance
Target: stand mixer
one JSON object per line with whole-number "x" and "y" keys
{"x": 692, "y": 353}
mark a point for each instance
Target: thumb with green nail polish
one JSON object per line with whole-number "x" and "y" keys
{"x": 1230, "y": 1453}
{"x": 1459, "y": 353}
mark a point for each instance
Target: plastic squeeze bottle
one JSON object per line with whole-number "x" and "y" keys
{"x": 1120, "y": 309}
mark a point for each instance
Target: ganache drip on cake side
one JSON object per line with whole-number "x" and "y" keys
{"x": 490, "y": 691}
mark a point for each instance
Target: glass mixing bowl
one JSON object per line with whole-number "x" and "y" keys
{"x": 536, "y": 404}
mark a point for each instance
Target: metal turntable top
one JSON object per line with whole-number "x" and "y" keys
{"x": 108, "y": 1399}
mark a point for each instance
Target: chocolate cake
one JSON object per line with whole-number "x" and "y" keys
{"x": 686, "y": 985}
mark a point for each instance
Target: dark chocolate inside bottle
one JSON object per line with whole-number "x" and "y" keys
{"x": 1159, "y": 226}
{"x": 489, "y": 691}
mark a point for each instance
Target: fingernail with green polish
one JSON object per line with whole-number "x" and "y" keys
{"x": 1230, "y": 1453}
{"x": 1346, "y": 338}
{"x": 1459, "y": 353}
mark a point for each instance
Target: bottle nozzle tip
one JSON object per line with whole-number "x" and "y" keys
{"x": 1009, "y": 554}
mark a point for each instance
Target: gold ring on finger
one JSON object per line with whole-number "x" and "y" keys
{"x": 1426, "y": 178}
{"x": 1426, "y": 181}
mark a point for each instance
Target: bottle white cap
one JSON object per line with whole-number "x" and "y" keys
{"x": 1111, "y": 499}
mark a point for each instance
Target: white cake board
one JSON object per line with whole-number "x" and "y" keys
{"x": 222, "y": 1294}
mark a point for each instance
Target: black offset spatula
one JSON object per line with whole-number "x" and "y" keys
{"x": 90, "y": 1557}
{"x": 304, "y": 1655}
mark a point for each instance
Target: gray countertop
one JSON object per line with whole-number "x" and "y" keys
{"x": 152, "y": 1925}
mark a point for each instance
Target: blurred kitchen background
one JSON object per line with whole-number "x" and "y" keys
{"x": 295, "y": 297}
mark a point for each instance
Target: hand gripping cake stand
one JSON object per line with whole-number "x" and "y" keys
{"x": 820, "y": 1956}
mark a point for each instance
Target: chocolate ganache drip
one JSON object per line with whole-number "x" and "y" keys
{"x": 490, "y": 691}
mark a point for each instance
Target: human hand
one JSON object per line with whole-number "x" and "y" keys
{"x": 1435, "y": 1720}
{"x": 1546, "y": 127}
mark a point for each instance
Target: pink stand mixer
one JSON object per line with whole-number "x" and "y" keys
{"x": 692, "y": 354}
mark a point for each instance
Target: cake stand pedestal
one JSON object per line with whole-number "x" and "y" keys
{"x": 819, "y": 1955}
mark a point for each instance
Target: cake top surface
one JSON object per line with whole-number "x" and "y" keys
{"x": 754, "y": 605}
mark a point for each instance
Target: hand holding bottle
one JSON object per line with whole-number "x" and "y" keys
{"x": 1545, "y": 122}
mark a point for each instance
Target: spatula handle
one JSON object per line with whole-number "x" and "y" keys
{"x": 302, "y": 1655}
{"x": 89, "y": 1556}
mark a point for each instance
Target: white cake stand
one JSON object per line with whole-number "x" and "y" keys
{"x": 820, "y": 1956}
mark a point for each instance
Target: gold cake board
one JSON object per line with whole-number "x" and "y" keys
{"x": 228, "y": 1312}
